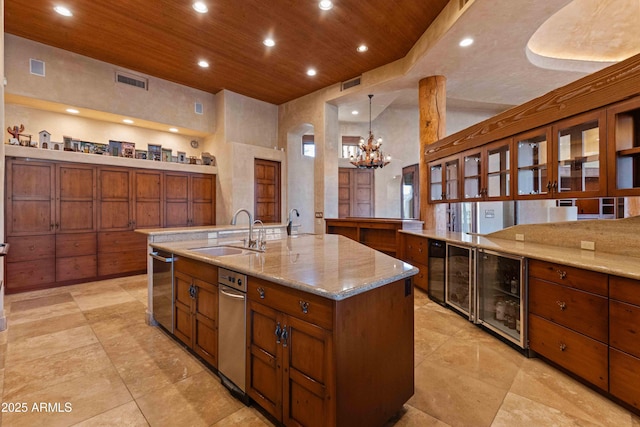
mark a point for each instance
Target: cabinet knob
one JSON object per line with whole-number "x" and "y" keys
{"x": 562, "y": 305}
{"x": 562, "y": 274}
{"x": 563, "y": 346}
{"x": 32, "y": 248}
{"x": 278, "y": 333}
{"x": 261, "y": 292}
{"x": 304, "y": 306}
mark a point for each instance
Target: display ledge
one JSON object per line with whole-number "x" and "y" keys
{"x": 603, "y": 262}
{"x": 331, "y": 266}
{"x": 75, "y": 157}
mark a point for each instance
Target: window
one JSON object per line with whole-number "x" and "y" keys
{"x": 308, "y": 146}
{"x": 350, "y": 146}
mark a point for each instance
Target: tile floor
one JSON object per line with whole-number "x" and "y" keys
{"x": 86, "y": 351}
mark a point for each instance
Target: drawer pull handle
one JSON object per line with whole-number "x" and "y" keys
{"x": 285, "y": 335}
{"x": 261, "y": 292}
{"x": 278, "y": 333}
{"x": 304, "y": 306}
{"x": 563, "y": 347}
{"x": 562, "y": 305}
{"x": 563, "y": 274}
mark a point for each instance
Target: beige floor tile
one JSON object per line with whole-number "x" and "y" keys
{"x": 29, "y": 376}
{"x": 30, "y": 304}
{"x": 453, "y": 397}
{"x": 138, "y": 288}
{"x": 432, "y": 318}
{"x": 541, "y": 383}
{"x": 46, "y": 326}
{"x": 426, "y": 341}
{"x": 41, "y": 313}
{"x": 245, "y": 417}
{"x": 520, "y": 411}
{"x": 125, "y": 415}
{"x": 131, "y": 311}
{"x": 88, "y": 299}
{"x": 420, "y": 297}
{"x": 411, "y": 416}
{"x": 49, "y": 344}
{"x": 199, "y": 400}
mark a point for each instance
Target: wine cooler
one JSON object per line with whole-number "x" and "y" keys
{"x": 460, "y": 289}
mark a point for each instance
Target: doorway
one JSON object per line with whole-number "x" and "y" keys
{"x": 410, "y": 193}
{"x": 267, "y": 191}
{"x": 356, "y": 193}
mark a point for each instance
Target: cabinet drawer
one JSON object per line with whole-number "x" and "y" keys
{"x": 121, "y": 263}
{"x": 624, "y": 327}
{"x": 292, "y": 302}
{"x": 26, "y": 275}
{"x": 575, "y": 352}
{"x": 69, "y": 245}
{"x": 415, "y": 249}
{"x": 116, "y": 241}
{"x": 75, "y": 268}
{"x": 30, "y": 248}
{"x": 197, "y": 269}
{"x": 578, "y": 278}
{"x": 421, "y": 279}
{"x": 624, "y": 289}
{"x": 624, "y": 378}
{"x": 581, "y": 311}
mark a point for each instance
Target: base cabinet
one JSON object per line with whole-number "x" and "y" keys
{"x": 414, "y": 250}
{"x": 315, "y": 362}
{"x": 196, "y": 308}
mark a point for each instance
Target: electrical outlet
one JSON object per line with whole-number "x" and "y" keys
{"x": 318, "y": 214}
{"x": 587, "y": 245}
{"x": 520, "y": 237}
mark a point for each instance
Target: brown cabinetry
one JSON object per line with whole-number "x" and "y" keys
{"x": 623, "y": 133}
{"x": 308, "y": 363}
{"x": 444, "y": 180}
{"x": 196, "y": 308}
{"x": 624, "y": 328}
{"x": 569, "y": 319}
{"x": 487, "y": 172}
{"x": 189, "y": 199}
{"x": 414, "y": 250}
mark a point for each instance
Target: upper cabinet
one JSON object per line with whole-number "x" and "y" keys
{"x": 623, "y": 122}
{"x": 444, "y": 180}
{"x": 533, "y": 157}
{"x": 487, "y": 172}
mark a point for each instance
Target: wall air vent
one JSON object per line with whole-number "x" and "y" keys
{"x": 36, "y": 67}
{"x": 198, "y": 108}
{"x": 132, "y": 80}
{"x": 350, "y": 83}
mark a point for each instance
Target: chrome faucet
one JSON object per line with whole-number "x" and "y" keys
{"x": 261, "y": 243}
{"x": 290, "y": 220}
{"x": 249, "y": 243}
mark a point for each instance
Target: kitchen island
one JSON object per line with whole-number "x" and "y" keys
{"x": 325, "y": 316}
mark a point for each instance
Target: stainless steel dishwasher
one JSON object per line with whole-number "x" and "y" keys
{"x": 162, "y": 288}
{"x": 232, "y": 309}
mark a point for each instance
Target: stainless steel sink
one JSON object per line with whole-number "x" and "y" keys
{"x": 219, "y": 250}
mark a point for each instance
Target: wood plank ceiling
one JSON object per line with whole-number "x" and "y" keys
{"x": 167, "y": 38}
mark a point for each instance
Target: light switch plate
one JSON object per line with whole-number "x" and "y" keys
{"x": 587, "y": 245}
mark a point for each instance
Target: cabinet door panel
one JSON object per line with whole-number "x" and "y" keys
{"x": 30, "y": 248}
{"x": 183, "y": 324}
{"x": 148, "y": 203}
{"x": 30, "y": 217}
{"x": 75, "y": 268}
{"x": 120, "y": 263}
{"x": 115, "y": 199}
{"x": 76, "y": 196}
{"x": 624, "y": 327}
{"x": 148, "y": 215}
{"x": 76, "y": 216}
{"x": 625, "y": 377}
{"x": 68, "y": 245}
{"x": 26, "y": 275}
{"x": 114, "y": 215}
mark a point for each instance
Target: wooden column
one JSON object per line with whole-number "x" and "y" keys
{"x": 432, "y": 100}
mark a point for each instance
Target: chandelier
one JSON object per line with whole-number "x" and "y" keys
{"x": 370, "y": 154}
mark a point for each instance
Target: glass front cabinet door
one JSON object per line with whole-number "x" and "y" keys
{"x": 487, "y": 172}
{"x": 533, "y": 158}
{"x": 444, "y": 180}
{"x": 623, "y": 124}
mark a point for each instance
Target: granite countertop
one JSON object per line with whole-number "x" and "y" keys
{"x": 328, "y": 265}
{"x": 604, "y": 262}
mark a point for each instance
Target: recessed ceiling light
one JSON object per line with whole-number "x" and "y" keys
{"x": 362, "y": 48}
{"x": 63, "y": 11}
{"x": 128, "y": 121}
{"x": 203, "y": 64}
{"x": 466, "y": 42}
{"x": 325, "y": 4}
{"x": 200, "y": 7}
{"x": 355, "y": 112}
{"x": 311, "y": 72}
{"x": 269, "y": 42}
{"x": 72, "y": 111}
{"x": 173, "y": 130}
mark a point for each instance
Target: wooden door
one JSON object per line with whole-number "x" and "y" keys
{"x": 176, "y": 201}
{"x": 267, "y": 190}
{"x": 307, "y": 358}
{"x": 76, "y": 197}
{"x": 148, "y": 199}
{"x": 30, "y": 205}
{"x": 202, "y": 200}
{"x": 356, "y": 193}
{"x": 264, "y": 367}
{"x": 115, "y": 199}
{"x": 205, "y": 321}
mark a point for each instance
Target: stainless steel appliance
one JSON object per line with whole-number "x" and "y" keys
{"x": 232, "y": 308}
{"x": 501, "y": 291}
{"x": 436, "y": 269}
{"x": 460, "y": 289}
{"x": 162, "y": 288}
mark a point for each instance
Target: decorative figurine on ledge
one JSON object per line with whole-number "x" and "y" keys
{"x": 45, "y": 139}
{"x": 20, "y": 138}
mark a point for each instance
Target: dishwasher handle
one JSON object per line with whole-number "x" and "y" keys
{"x": 230, "y": 295}
{"x": 155, "y": 255}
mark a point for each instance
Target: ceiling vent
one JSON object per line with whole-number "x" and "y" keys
{"x": 132, "y": 80}
{"x": 350, "y": 83}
